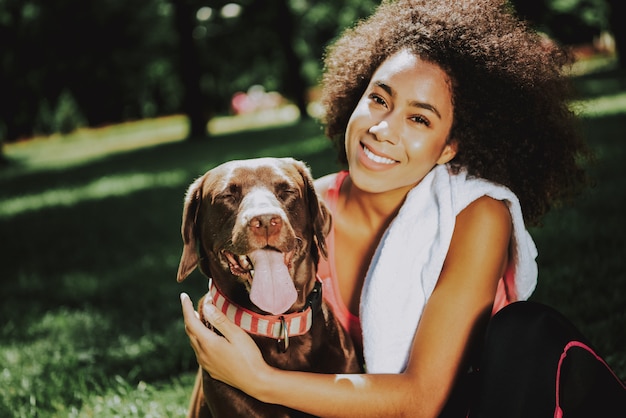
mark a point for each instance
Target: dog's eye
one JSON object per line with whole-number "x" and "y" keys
{"x": 286, "y": 193}
{"x": 230, "y": 195}
{"x": 227, "y": 197}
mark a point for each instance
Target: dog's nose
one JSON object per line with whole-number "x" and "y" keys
{"x": 266, "y": 225}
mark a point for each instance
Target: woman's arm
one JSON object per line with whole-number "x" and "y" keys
{"x": 458, "y": 308}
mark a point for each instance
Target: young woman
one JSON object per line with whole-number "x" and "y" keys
{"x": 452, "y": 119}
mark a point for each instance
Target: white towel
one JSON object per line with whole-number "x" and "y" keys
{"x": 410, "y": 256}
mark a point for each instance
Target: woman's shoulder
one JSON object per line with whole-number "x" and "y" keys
{"x": 328, "y": 182}
{"x": 482, "y": 235}
{"x": 324, "y": 183}
{"x": 486, "y": 210}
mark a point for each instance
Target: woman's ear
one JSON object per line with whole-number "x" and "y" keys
{"x": 448, "y": 153}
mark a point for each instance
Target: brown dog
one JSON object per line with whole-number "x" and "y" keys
{"x": 256, "y": 228}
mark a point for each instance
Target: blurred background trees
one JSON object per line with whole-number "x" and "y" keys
{"x": 72, "y": 63}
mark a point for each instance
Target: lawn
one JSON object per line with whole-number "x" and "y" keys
{"x": 90, "y": 243}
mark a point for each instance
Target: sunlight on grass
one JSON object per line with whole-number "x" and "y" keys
{"x": 593, "y": 64}
{"x": 125, "y": 184}
{"x": 117, "y": 185}
{"x": 57, "y": 366}
{"x": 142, "y": 400}
{"x": 263, "y": 119}
{"x": 607, "y": 105}
{"x": 87, "y": 145}
{"x": 90, "y": 144}
{"x": 35, "y": 370}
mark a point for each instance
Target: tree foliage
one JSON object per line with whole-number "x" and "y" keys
{"x": 568, "y": 21}
{"x": 108, "y": 61}
{"x": 70, "y": 63}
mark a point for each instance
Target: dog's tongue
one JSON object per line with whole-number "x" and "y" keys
{"x": 272, "y": 287}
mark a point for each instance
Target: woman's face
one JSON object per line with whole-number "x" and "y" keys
{"x": 399, "y": 129}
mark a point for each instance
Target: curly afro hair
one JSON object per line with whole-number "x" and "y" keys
{"x": 512, "y": 123}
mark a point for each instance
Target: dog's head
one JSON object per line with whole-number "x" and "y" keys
{"x": 256, "y": 225}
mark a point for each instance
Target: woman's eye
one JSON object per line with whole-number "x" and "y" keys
{"x": 377, "y": 99}
{"x": 421, "y": 120}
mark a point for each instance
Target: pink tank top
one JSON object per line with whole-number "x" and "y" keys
{"x": 328, "y": 275}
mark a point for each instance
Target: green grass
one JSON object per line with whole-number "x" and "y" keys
{"x": 90, "y": 242}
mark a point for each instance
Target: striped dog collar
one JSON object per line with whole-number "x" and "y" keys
{"x": 279, "y": 327}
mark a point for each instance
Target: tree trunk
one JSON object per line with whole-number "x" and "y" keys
{"x": 618, "y": 29}
{"x": 3, "y": 159}
{"x": 193, "y": 101}
{"x": 295, "y": 85}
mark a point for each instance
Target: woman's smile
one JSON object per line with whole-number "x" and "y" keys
{"x": 377, "y": 158}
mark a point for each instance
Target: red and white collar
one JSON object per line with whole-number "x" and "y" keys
{"x": 279, "y": 327}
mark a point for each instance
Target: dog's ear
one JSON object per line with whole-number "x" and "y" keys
{"x": 189, "y": 259}
{"x": 322, "y": 220}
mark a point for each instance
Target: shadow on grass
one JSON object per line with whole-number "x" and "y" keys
{"x": 581, "y": 247}
{"x": 600, "y": 83}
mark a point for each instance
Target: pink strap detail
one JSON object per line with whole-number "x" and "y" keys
{"x": 558, "y": 412}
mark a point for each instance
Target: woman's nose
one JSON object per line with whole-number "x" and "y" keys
{"x": 382, "y": 131}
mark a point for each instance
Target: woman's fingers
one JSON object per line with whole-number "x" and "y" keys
{"x": 192, "y": 320}
{"x": 232, "y": 357}
{"x": 195, "y": 327}
{"x": 220, "y": 322}
{"x": 200, "y": 337}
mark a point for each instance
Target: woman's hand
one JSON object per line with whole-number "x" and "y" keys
{"x": 233, "y": 358}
